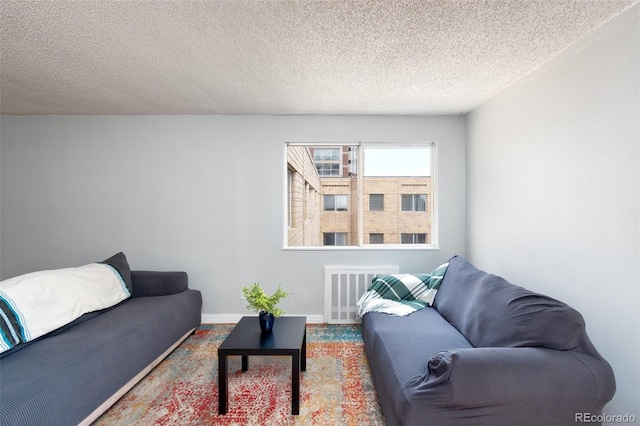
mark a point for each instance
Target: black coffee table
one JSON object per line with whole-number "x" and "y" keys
{"x": 288, "y": 337}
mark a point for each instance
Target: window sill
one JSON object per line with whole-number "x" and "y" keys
{"x": 370, "y": 247}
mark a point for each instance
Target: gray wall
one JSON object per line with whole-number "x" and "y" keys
{"x": 553, "y": 190}
{"x": 195, "y": 193}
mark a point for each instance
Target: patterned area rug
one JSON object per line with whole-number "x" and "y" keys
{"x": 336, "y": 389}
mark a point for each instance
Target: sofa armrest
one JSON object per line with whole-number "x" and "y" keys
{"x": 158, "y": 283}
{"x": 515, "y": 383}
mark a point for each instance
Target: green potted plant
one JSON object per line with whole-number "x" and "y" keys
{"x": 265, "y": 306}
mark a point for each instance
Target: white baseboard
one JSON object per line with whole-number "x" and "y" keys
{"x": 234, "y": 318}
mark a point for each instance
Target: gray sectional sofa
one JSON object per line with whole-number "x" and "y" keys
{"x": 487, "y": 353}
{"x": 73, "y": 374}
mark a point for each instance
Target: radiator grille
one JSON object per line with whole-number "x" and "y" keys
{"x": 344, "y": 285}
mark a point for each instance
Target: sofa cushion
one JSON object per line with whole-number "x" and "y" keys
{"x": 37, "y": 303}
{"x": 403, "y": 340}
{"x": 119, "y": 263}
{"x": 158, "y": 283}
{"x": 399, "y": 348}
{"x": 489, "y": 311}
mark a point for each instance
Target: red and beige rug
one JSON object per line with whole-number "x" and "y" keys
{"x": 336, "y": 389}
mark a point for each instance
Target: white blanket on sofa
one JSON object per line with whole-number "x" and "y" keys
{"x": 34, "y": 304}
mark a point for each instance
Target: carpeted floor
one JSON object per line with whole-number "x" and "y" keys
{"x": 336, "y": 389}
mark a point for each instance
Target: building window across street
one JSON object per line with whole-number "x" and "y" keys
{"x": 335, "y": 239}
{"x": 336, "y": 203}
{"x": 414, "y": 202}
{"x": 414, "y": 238}
{"x": 376, "y": 202}
{"x": 376, "y": 238}
{"x": 327, "y": 161}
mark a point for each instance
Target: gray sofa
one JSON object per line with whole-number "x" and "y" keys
{"x": 72, "y": 375}
{"x": 486, "y": 353}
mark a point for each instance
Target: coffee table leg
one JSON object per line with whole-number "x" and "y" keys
{"x": 295, "y": 383}
{"x": 303, "y": 355}
{"x": 245, "y": 363}
{"x": 222, "y": 384}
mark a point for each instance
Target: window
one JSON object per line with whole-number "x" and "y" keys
{"x": 326, "y": 154}
{"x": 414, "y": 203}
{"x": 336, "y": 203}
{"x": 376, "y": 202}
{"x": 327, "y": 161}
{"x": 376, "y": 238}
{"x": 413, "y": 238}
{"x": 328, "y": 169}
{"x": 360, "y": 194}
{"x": 335, "y": 239}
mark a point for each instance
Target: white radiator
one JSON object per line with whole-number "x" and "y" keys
{"x": 343, "y": 287}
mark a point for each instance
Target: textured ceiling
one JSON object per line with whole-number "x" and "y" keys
{"x": 278, "y": 57}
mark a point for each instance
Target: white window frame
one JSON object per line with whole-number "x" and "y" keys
{"x": 432, "y": 200}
